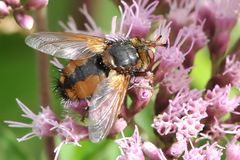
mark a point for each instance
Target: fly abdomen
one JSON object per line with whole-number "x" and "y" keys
{"x": 81, "y": 77}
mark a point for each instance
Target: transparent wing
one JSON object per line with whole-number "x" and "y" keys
{"x": 66, "y": 45}
{"x": 105, "y": 105}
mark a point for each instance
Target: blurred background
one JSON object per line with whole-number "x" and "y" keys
{"x": 18, "y": 79}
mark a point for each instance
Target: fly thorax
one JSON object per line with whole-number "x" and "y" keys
{"x": 121, "y": 56}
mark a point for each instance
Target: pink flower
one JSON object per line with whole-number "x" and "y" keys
{"x": 179, "y": 105}
{"x": 69, "y": 132}
{"x": 194, "y": 154}
{"x": 118, "y": 127}
{"x": 224, "y": 8}
{"x": 197, "y": 38}
{"x": 196, "y": 33}
{"x": 182, "y": 13}
{"x": 220, "y": 101}
{"x": 221, "y": 17}
{"x": 142, "y": 85}
{"x": 213, "y": 152}
{"x": 152, "y": 152}
{"x": 177, "y": 148}
{"x": 90, "y": 25}
{"x": 117, "y": 31}
{"x": 13, "y": 3}
{"x": 165, "y": 124}
{"x": 218, "y": 130}
{"x": 140, "y": 91}
{"x": 196, "y": 108}
{"x": 41, "y": 126}
{"x": 36, "y": 4}
{"x": 188, "y": 127}
{"x": 161, "y": 34}
{"x": 139, "y": 17}
{"x": 187, "y": 117}
{"x": 4, "y": 11}
{"x": 185, "y": 109}
{"x": 78, "y": 106}
{"x": 205, "y": 152}
{"x": 176, "y": 80}
{"x": 131, "y": 147}
{"x": 71, "y": 25}
{"x": 232, "y": 149}
{"x": 55, "y": 62}
{"x": 232, "y": 70}
{"x": 171, "y": 57}
{"x": 25, "y": 21}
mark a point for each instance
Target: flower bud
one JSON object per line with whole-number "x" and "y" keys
{"x": 23, "y": 20}
{"x": 177, "y": 148}
{"x": 36, "y": 4}
{"x": 141, "y": 92}
{"x": 197, "y": 38}
{"x": 13, "y": 3}
{"x": 221, "y": 17}
{"x": 152, "y": 152}
{"x": 3, "y": 9}
{"x": 118, "y": 127}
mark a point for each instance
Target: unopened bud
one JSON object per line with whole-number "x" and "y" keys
{"x": 24, "y": 20}
{"x": 3, "y": 9}
{"x": 177, "y": 149}
{"x": 13, "y": 3}
{"x": 118, "y": 127}
{"x": 152, "y": 152}
{"x": 36, "y": 4}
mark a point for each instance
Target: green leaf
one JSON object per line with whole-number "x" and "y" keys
{"x": 201, "y": 72}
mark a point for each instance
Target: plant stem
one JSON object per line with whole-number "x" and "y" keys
{"x": 43, "y": 74}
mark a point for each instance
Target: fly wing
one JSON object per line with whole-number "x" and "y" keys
{"x": 105, "y": 105}
{"x": 66, "y": 45}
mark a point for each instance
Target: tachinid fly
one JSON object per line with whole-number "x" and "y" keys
{"x": 99, "y": 71}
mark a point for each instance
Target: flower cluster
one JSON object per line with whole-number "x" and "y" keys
{"x": 184, "y": 116}
{"x": 46, "y": 124}
{"x": 207, "y": 151}
{"x": 135, "y": 148}
{"x": 20, "y": 10}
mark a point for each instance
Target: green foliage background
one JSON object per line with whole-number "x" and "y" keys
{"x": 18, "y": 79}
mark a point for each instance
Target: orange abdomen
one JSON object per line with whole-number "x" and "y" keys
{"x": 80, "y": 78}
